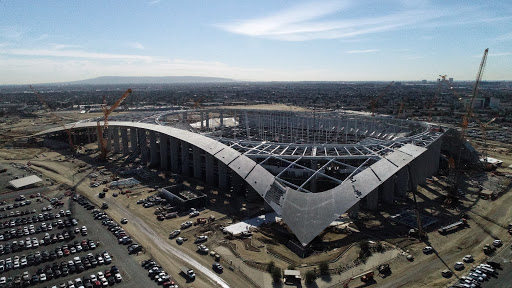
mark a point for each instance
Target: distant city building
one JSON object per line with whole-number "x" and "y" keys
{"x": 423, "y": 81}
{"x": 450, "y": 80}
{"x": 484, "y": 102}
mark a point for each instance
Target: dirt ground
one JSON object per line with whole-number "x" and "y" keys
{"x": 487, "y": 219}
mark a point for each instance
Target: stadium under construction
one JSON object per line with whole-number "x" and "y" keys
{"x": 308, "y": 167}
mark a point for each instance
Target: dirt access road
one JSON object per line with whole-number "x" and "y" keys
{"x": 488, "y": 221}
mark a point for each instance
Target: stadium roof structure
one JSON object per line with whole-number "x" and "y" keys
{"x": 25, "y": 181}
{"x": 353, "y": 155}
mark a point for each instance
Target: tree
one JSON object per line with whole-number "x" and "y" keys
{"x": 277, "y": 275}
{"x": 379, "y": 247}
{"x": 291, "y": 267}
{"x": 324, "y": 268}
{"x": 271, "y": 266}
{"x": 310, "y": 277}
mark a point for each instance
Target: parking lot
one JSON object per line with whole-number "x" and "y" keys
{"x": 62, "y": 245}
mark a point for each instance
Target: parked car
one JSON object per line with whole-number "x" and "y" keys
{"x": 428, "y": 250}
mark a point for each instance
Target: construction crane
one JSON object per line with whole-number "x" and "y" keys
{"x": 469, "y": 113}
{"x": 376, "y": 100}
{"x": 58, "y": 119}
{"x": 106, "y": 114}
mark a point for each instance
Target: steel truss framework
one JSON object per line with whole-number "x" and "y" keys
{"x": 308, "y": 184}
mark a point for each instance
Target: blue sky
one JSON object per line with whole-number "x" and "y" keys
{"x": 263, "y": 40}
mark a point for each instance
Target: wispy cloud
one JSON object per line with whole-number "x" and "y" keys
{"x": 154, "y": 2}
{"x": 314, "y": 21}
{"x": 65, "y": 46}
{"x": 287, "y": 23}
{"x": 137, "y": 45}
{"x": 363, "y": 51}
{"x": 500, "y": 54}
{"x": 413, "y": 57}
{"x": 11, "y": 32}
{"x": 504, "y": 37}
{"x": 56, "y": 52}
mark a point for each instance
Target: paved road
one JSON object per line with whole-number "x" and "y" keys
{"x": 162, "y": 244}
{"x": 504, "y": 279}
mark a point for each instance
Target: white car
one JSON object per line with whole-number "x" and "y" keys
{"x": 3, "y": 280}
{"x": 428, "y": 250}
{"x": 42, "y": 277}
{"x": 497, "y": 243}
{"x": 118, "y": 277}
{"x": 468, "y": 258}
{"x": 458, "y": 266}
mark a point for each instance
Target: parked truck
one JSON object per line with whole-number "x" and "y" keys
{"x": 189, "y": 273}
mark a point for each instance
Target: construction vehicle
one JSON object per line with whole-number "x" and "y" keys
{"x": 201, "y": 220}
{"x": 189, "y": 273}
{"x": 106, "y": 114}
{"x": 384, "y": 269}
{"x": 365, "y": 277}
{"x": 488, "y": 249}
{"x": 454, "y": 226}
{"x": 376, "y": 100}
{"x": 56, "y": 118}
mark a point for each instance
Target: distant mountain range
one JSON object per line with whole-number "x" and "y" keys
{"x": 148, "y": 80}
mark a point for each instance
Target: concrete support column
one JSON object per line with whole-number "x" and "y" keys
{"x": 247, "y": 126}
{"x": 89, "y": 135}
{"x": 372, "y": 200}
{"x": 74, "y": 140}
{"x": 184, "y": 117}
{"x": 238, "y": 185}
{"x": 207, "y": 120}
{"x": 164, "y": 152}
{"x": 124, "y": 141}
{"x": 221, "y": 120}
{"x": 202, "y": 120}
{"x": 98, "y": 140}
{"x": 312, "y": 182}
{"x": 252, "y": 195}
{"x": 143, "y": 146}
{"x": 401, "y": 182}
{"x": 109, "y": 139}
{"x": 185, "y": 161}
{"x": 209, "y": 169}
{"x": 152, "y": 148}
{"x": 388, "y": 188}
{"x": 196, "y": 154}
{"x": 115, "y": 134}
{"x": 353, "y": 212}
{"x": 133, "y": 139}
{"x": 223, "y": 177}
{"x": 174, "y": 154}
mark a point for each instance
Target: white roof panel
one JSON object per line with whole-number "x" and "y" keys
{"x": 25, "y": 181}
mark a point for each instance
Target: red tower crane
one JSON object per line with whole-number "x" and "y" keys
{"x": 106, "y": 114}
